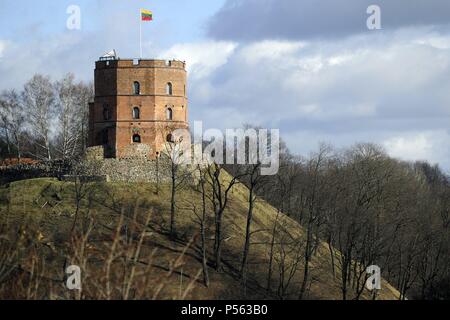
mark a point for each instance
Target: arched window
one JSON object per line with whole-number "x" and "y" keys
{"x": 136, "y": 138}
{"x": 169, "y": 89}
{"x": 169, "y": 138}
{"x": 136, "y": 113}
{"x": 169, "y": 114}
{"x": 137, "y": 88}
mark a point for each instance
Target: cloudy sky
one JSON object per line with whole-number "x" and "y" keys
{"x": 309, "y": 67}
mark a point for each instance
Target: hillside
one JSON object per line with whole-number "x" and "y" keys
{"x": 39, "y": 215}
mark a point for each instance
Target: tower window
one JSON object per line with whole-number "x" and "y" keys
{"x": 106, "y": 112}
{"x": 169, "y": 114}
{"x": 137, "y": 88}
{"x": 136, "y": 113}
{"x": 169, "y": 89}
{"x": 136, "y": 138}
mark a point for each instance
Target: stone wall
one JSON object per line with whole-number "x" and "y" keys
{"x": 125, "y": 170}
{"x": 136, "y": 168}
{"x": 44, "y": 169}
{"x": 136, "y": 151}
{"x": 95, "y": 153}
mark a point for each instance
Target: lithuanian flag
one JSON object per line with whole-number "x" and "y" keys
{"x": 146, "y": 15}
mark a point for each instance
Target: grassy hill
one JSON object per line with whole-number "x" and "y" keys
{"x": 121, "y": 258}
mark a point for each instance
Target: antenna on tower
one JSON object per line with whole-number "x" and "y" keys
{"x": 109, "y": 56}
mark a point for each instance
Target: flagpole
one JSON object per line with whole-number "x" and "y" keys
{"x": 140, "y": 36}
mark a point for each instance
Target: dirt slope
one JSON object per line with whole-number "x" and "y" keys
{"x": 48, "y": 208}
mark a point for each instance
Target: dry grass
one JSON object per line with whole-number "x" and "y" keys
{"x": 121, "y": 244}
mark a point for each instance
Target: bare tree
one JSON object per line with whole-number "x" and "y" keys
{"x": 288, "y": 256}
{"x": 272, "y": 251}
{"x": 84, "y": 94}
{"x": 202, "y": 218}
{"x": 219, "y": 198}
{"x": 68, "y": 117}
{"x": 254, "y": 181}
{"x": 281, "y": 198}
{"x": 12, "y": 120}
{"x": 5, "y": 124}
{"x": 314, "y": 209}
{"x": 364, "y": 177}
{"x": 38, "y": 97}
{"x": 72, "y": 116}
{"x": 174, "y": 159}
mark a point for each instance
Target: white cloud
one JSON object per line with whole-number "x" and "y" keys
{"x": 435, "y": 41}
{"x": 376, "y": 88}
{"x": 340, "y": 59}
{"x": 324, "y": 113}
{"x": 2, "y": 48}
{"x": 430, "y": 145}
{"x": 53, "y": 56}
{"x": 270, "y": 50}
{"x": 361, "y": 89}
{"x": 415, "y": 147}
{"x": 203, "y": 58}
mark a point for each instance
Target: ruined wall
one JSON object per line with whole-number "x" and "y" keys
{"x": 135, "y": 168}
{"x": 127, "y": 170}
{"x": 43, "y": 169}
{"x": 95, "y": 167}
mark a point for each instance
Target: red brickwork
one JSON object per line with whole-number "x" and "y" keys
{"x": 111, "y": 115}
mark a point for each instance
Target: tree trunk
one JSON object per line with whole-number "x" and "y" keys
{"x": 47, "y": 146}
{"x": 172, "y": 203}
{"x": 204, "y": 258}
{"x": 272, "y": 245}
{"x": 203, "y": 235}
{"x": 157, "y": 175}
{"x": 309, "y": 240}
{"x": 333, "y": 268}
{"x": 218, "y": 241}
{"x": 247, "y": 233}
{"x": 8, "y": 143}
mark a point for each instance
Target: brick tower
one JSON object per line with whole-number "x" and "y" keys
{"x": 137, "y": 104}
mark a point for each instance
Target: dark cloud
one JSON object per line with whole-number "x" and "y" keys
{"x": 390, "y": 89}
{"x": 246, "y": 20}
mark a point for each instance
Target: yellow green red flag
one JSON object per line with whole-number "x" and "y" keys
{"x": 146, "y": 15}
